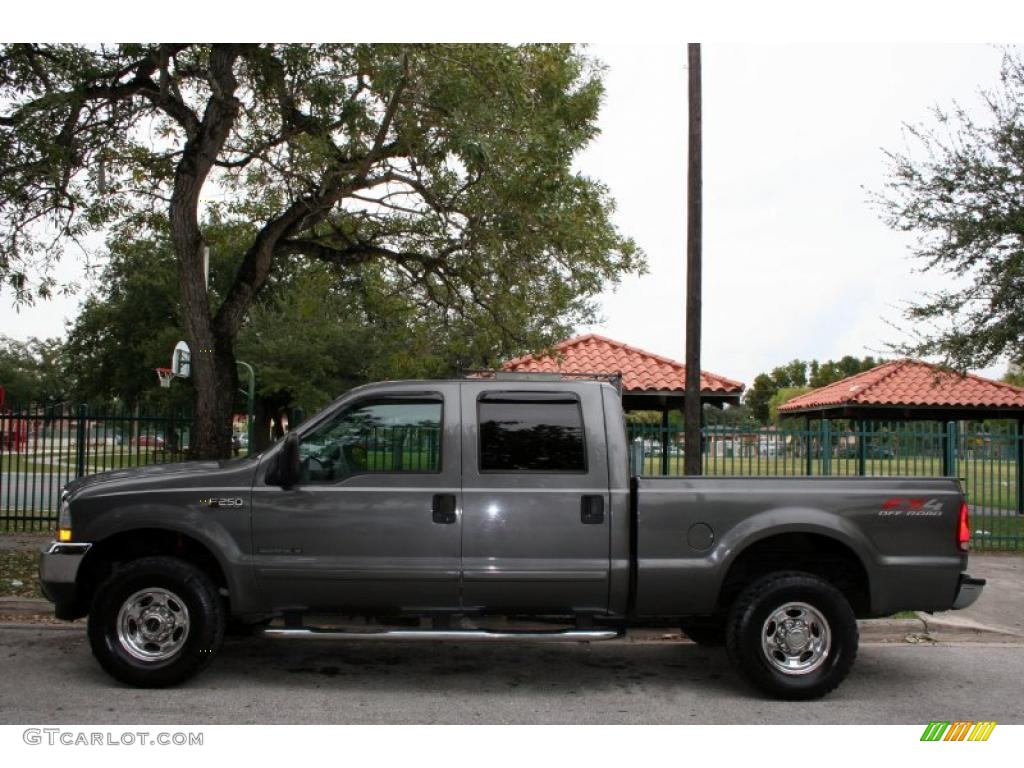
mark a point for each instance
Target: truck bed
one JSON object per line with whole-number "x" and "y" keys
{"x": 689, "y": 533}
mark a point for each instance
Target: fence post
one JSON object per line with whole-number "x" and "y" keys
{"x": 636, "y": 456}
{"x": 1019, "y": 445}
{"x": 826, "y": 447}
{"x": 809, "y": 448}
{"x": 83, "y": 414}
{"x": 664, "y": 441}
{"x": 952, "y": 446}
{"x": 862, "y": 446}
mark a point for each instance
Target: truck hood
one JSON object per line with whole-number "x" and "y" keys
{"x": 116, "y": 477}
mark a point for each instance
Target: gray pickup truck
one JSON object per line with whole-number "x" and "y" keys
{"x": 457, "y": 510}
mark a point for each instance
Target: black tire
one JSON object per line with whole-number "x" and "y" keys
{"x": 819, "y": 612}
{"x": 195, "y": 608}
{"x": 709, "y": 633}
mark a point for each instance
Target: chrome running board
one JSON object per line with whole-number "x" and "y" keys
{"x": 456, "y": 635}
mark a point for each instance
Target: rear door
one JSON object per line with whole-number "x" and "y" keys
{"x": 535, "y": 531}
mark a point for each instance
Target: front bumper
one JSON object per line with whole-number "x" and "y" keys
{"x": 967, "y": 591}
{"x": 58, "y": 574}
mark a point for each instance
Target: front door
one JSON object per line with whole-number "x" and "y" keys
{"x": 373, "y": 524}
{"x": 535, "y": 532}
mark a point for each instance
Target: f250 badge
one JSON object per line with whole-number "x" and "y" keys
{"x": 909, "y": 507}
{"x": 223, "y": 502}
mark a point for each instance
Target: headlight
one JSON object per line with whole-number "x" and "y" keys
{"x": 64, "y": 519}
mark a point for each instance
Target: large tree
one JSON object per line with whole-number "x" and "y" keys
{"x": 314, "y": 331}
{"x": 33, "y": 372}
{"x": 959, "y": 187}
{"x": 448, "y": 166}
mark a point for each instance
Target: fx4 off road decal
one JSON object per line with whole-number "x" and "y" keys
{"x": 902, "y": 506}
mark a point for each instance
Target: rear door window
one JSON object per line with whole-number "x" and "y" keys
{"x": 531, "y": 432}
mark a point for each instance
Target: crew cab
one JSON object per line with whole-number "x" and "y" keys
{"x": 449, "y": 510}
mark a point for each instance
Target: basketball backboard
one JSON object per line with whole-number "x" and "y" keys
{"x": 181, "y": 360}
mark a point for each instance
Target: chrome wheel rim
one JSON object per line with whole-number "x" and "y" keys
{"x": 796, "y": 639}
{"x": 153, "y": 624}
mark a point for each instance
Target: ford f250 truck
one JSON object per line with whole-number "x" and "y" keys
{"x": 437, "y": 510}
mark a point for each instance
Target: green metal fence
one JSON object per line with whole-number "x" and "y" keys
{"x": 42, "y": 448}
{"x": 987, "y": 458}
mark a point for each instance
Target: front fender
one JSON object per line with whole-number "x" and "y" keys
{"x": 224, "y": 532}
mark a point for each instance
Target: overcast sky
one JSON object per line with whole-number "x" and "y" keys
{"x": 796, "y": 263}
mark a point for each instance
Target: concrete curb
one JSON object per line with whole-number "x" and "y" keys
{"x": 27, "y": 606}
{"x": 895, "y": 629}
{"x": 961, "y": 625}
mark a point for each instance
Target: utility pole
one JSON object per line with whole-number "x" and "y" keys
{"x": 694, "y": 185}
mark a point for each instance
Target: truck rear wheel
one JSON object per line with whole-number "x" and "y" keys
{"x": 793, "y": 635}
{"x": 156, "y": 622}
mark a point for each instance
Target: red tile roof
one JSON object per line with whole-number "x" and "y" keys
{"x": 911, "y": 383}
{"x": 641, "y": 371}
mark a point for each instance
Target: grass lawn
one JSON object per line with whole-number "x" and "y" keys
{"x": 19, "y": 574}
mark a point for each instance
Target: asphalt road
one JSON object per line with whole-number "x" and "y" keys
{"x": 48, "y": 676}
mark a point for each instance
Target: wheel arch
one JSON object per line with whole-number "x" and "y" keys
{"x": 808, "y": 549}
{"x": 131, "y": 544}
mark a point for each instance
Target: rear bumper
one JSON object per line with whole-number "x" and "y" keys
{"x": 968, "y": 590}
{"x": 58, "y": 576}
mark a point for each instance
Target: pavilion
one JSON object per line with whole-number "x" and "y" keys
{"x": 912, "y": 390}
{"x": 647, "y": 382}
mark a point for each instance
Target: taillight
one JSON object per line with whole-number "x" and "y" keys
{"x": 964, "y": 537}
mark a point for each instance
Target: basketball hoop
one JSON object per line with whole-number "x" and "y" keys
{"x": 166, "y": 376}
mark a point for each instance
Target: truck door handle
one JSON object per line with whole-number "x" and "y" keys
{"x": 443, "y": 508}
{"x": 592, "y": 509}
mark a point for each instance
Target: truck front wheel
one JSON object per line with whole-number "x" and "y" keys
{"x": 793, "y": 635}
{"x": 156, "y": 622}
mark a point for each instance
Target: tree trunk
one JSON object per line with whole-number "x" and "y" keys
{"x": 214, "y": 377}
{"x": 261, "y": 425}
{"x": 279, "y": 423}
{"x": 215, "y": 381}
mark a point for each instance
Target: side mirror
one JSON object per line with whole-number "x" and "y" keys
{"x": 287, "y": 471}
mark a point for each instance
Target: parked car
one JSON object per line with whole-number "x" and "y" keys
{"x": 524, "y": 507}
{"x": 850, "y": 450}
{"x": 150, "y": 441}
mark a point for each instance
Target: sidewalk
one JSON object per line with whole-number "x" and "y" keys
{"x": 1000, "y": 609}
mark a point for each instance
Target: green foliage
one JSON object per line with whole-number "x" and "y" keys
{"x": 1014, "y": 375}
{"x": 959, "y": 188}
{"x": 129, "y": 326}
{"x": 439, "y": 174}
{"x": 33, "y": 372}
{"x": 783, "y": 396}
{"x": 313, "y": 333}
{"x": 739, "y": 416}
{"x": 450, "y": 164}
{"x": 797, "y": 374}
{"x": 835, "y": 370}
